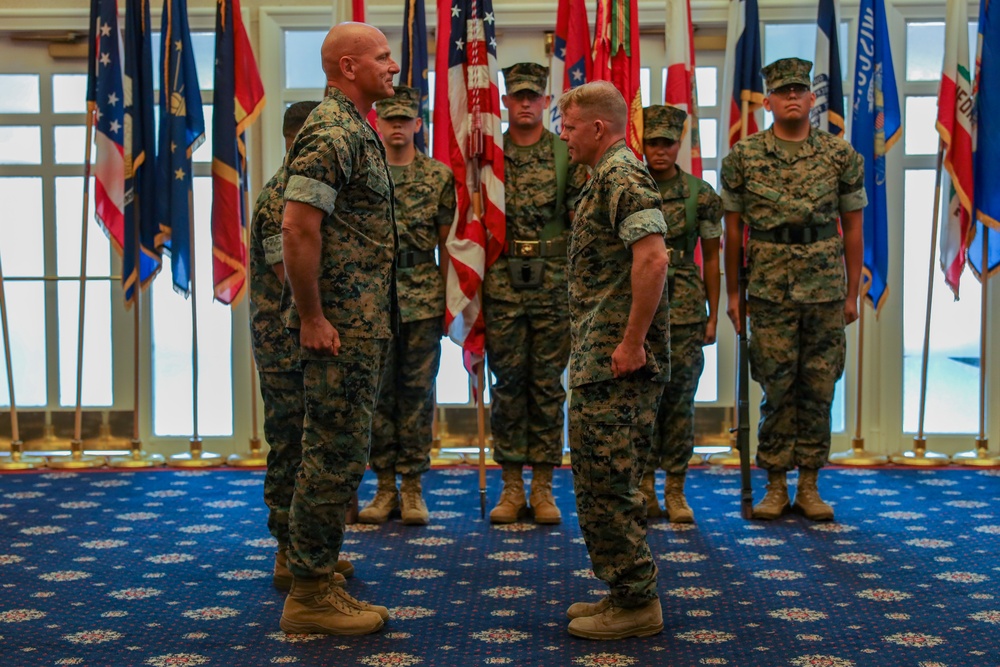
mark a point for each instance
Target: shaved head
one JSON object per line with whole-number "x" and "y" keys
{"x": 347, "y": 40}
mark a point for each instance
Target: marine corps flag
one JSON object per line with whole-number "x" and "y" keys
{"x": 616, "y": 59}
{"x": 142, "y": 236}
{"x": 182, "y": 130}
{"x": 239, "y": 98}
{"x": 987, "y": 143}
{"x": 954, "y": 124}
{"x": 875, "y": 128}
{"x": 571, "y": 59}
{"x": 413, "y": 70}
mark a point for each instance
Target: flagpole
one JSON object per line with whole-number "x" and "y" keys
{"x": 196, "y": 457}
{"x": 981, "y": 456}
{"x": 253, "y": 458}
{"x": 16, "y": 460}
{"x": 919, "y": 456}
{"x": 77, "y": 459}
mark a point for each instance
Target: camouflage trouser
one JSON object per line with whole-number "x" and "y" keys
{"x": 283, "y": 413}
{"x": 401, "y": 431}
{"x": 673, "y": 439}
{"x": 797, "y": 353}
{"x": 610, "y": 439}
{"x": 340, "y": 395}
{"x": 527, "y": 349}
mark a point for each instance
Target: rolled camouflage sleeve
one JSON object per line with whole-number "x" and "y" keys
{"x": 321, "y": 166}
{"x": 709, "y": 213}
{"x": 638, "y": 209}
{"x": 733, "y": 182}
{"x": 852, "y": 183}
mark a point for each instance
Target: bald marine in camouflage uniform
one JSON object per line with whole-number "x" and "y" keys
{"x": 339, "y": 250}
{"x": 790, "y": 184}
{"x": 525, "y": 302}
{"x": 692, "y": 211}
{"x": 276, "y": 354}
{"x": 620, "y": 359}
{"x": 425, "y": 207}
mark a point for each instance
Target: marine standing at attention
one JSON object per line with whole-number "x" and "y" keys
{"x": 790, "y": 184}
{"x": 620, "y": 359}
{"x": 693, "y": 212}
{"x": 339, "y": 249}
{"x": 525, "y": 302}
{"x": 425, "y": 207}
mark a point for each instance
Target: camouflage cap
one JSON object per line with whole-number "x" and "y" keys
{"x": 405, "y": 103}
{"x": 663, "y": 122}
{"x": 787, "y": 71}
{"x": 526, "y": 76}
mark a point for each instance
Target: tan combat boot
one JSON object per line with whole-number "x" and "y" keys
{"x": 414, "y": 508}
{"x": 618, "y": 623}
{"x": 315, "y": 606}
{"x": 542, "y": 503}
{"x": 807, "y": 500}
{"x": 282, "y": 577}
{"x": 385, "y": 502}
{"x": 648, "y": 488}
{"x": 775, "y": 502}
{"x": 512, "y": 504}
{"x": 678, "y": 510}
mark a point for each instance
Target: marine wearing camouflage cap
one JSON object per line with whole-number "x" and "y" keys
{"x": 404, "y": 104}
{"x": 787, "y": 71}
{"x": 663, "y": 122}
{"x": 526, "y": 76}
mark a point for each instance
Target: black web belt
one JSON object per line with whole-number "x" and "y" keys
{"x": 407, "y": 259}
{"x": 794, "y": 235}
{"x": 529, "y": 249}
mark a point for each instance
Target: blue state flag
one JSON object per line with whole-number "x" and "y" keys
{"x": 413, "y": 70}
{"x": 141, "y": 255}
{"x": 182, "y": 130}
{"x": 986, "y": 139}
{"x": 876, "y": 125}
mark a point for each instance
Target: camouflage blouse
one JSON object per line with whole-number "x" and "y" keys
{"x": 826, "y": 178}
{"x": 619, "y": 205}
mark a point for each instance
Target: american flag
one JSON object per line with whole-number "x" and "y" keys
{"x": 467, "y": 138}
{"x": 106, "y": 108}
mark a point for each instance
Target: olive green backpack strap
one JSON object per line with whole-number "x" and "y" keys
{"x": 691, "y": 211}
{"x": 557, "y": 224}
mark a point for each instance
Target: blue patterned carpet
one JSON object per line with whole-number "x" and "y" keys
{"x": 173, "y": 568}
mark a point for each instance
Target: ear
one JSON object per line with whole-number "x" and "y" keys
{"x": 600, "y": 129}
{"x": 419, "y": 124}
{"x": 767, "y": 102}
{"x": 348, "y": 68}
{"x": 504, "y": 98}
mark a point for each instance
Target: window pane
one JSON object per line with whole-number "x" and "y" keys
{"x": 20, "y": 93}
{"x": 69, "y": 93}
{"x": 920, "y": 137}
{"x": 26, "y": 319}
{"x": 925, "y": 51}
{"x": 203, "y": 44}
{"x": 204, "y": 152}
{"x": 172, "y": 374}
{"x": 21, "y": 238}
{"x": 69, "y": 197}
{"x": 69, "y": 142}
{"x": 303, "y": 67}
{"x": 707, "y": 81}
{"x": 837, "y": 413}
{"x": 97, "y": 368}
{"x": 708, "y": 133}
{"x": 20, "y": 144}
{"x": 953, "y": 360}
{"x": 644, "y": 84}
{"x": 452, "y": 380}
{"x": 708, "y": 385}
{"x": 502, "y": 88}
{"x": 431, "y": 82}
{"x": 711, "y": 176}
{"x": 789, "y": 40}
